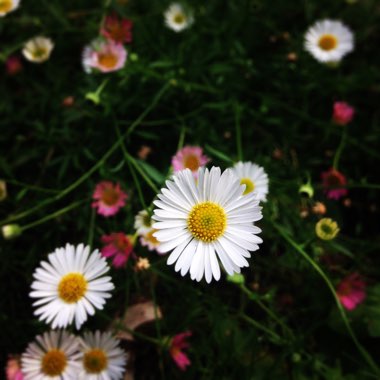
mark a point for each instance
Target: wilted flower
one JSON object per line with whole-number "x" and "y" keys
{"x": 189, "y": 157}
{"x": 118, "y": 246}
{"x": 38, "y": 49}
{"x": 7, "y": 6}
{"x": 319, "y": 208}
{"x": 117, "y": 29}
{"x": 326, "y": 229}
{"x": 331, "y": 180}
{"x": 109, "y": 198}
{"x": 13, "y": 64}
{"x": 178, "y": 18}
{"x": 306, "y": 190}
{"x": 342, "y": 113}
{"x": 351, "y": 291}
{"x": 142, "y": 264}
{"x": 177, "y": 345}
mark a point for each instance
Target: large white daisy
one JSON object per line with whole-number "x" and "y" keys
{"x": 102, "y": 358}
{"x": 7, "y": 6}
{"x": 205, "y": 220}
{"x": 70, "y": 286}
{"x": 53, "y": 356}
{"x": 178, "y": 18}
{"x": 328, "y": 41}
{"x": 254, "y": 178}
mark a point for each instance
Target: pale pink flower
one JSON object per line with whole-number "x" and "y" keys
{"x": 119, "y": 246}
{"x": 13, "y": 369}
{"x": 343, "y": 113}
{"x": 351, "y": 291}
{"x": 177, "y": 344}
{"x": 334, "y": 182}
{"x": 148, "y": 240}
{"x": 109, "y": 198}
{"x": 13, "y": 65}
{"x": 103, "y": 55}
{"x": 117, "y": 29}
{"x": 190, "y": 157}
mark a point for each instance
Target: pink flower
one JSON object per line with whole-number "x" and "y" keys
{"x": 351, "y": 291}
{"x": 13, "y": 370}
{"x": 190, "y": 157}
{"x": 178, "y": 343}
{"x": 109, "y": 198}
{"x": 342, "y": 113}
{"x": 119, "y": 246}
{"x": 13, "y": 65}
{"x": 117, "y": 29}
{"x": 105, "y": 56}
{"x": 332, "y": 179}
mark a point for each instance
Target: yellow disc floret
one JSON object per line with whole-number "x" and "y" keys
{"x": 191, "y": 162}
{"x": 179, "y": 18}
{"x": 207, "y": 221}
{"x": 327, "y": 42}
{"x": 53, "y": 363}
{"x": 326, "y": 229}
{"x": 249, "y": 185}
{"x": 107, "y": 60}
{"x": 95, "y": 361}
{"x": 72, "y": 287}
{"x": 5, "y": 6}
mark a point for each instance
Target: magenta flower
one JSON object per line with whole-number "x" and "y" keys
{"x": 13, "y": 370}
{"x": 117, "y": 29}
{"x": 190, "y": 157}
{"x": 13, "y": 65}
{"x": 351, "y": 291}
{"x": 177, "y": 344}
{"x": 109, "y": 198}
{"x": 334, "y": 182}
{"x": 119, "y": 246}
{"x": 343, "y": 113}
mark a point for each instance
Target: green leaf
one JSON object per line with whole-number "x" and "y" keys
{"x": 152, "y": 172}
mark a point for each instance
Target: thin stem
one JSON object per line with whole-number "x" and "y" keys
{"x": 338, "y": 152}
{"x": 261, "y": 327}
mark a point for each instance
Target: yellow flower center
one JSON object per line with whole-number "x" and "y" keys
{"x": 327, "y": 42}
{"x": 72, "y": 287}
{"x": 110, "y": 196}
{"x": 6, "y": 5}
{"x": 95, "y": 361}
{"x": 326, "y": 229}
{"x": 249, "y": 185}
{"x": 53, "y": 363}
{"x": 39, "y": 52}
{"x": 149, "y": 236}
{"x": 179, "y": 18}
{"x": 207, "y": 221}
{"x": 107, "y": 60}
{"x": 191, "y": 162}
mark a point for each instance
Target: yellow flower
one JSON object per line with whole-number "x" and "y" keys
{"x": 326, "y": 229}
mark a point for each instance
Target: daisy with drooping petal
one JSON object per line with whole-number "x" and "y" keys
{"x": 254, "y": 178}
{"x": 206, "y": 219}
{"x": 7, "y": 6}
{"x": 333, "y": 182}
{"x": 189, "y": 157}
{"x": 328, "y": 41}
{"x": 119, "y": 246}
{"x": 351, "y": 291}
{"x": 343, "y": 113}
{"x": 70, "y": 286}
{"x": 109, "y": 198}
{"x": 178, "y": 18}
{"x": 117, "y": 29}
{"x": 102, "y": 358}
{"x": 53, "y": 355}
{"x": 104, "y": 55}
{"x": 177, "y": 345}
{"x": 38, "y": 49}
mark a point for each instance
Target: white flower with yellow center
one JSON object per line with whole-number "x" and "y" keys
{"x": 328, "y": 41}
{"x": 7, "y": 6}
{"x": 178, "y": 18}
{"x": 254, "y": 178}
{"x": 38, "y": 49}
{"x": 143, "y": 222}
{"x": 205, "y": 221}
{"x": 102, "y": 358}
{"x": 52, "y": 356}
{"x": 70, "y": 286}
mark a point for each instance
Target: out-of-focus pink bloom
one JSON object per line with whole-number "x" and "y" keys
{"x": 117, "y": 29}
{"x": 119, "y": 246}
{"x": 342, "y": 113}
{"x": 105, "y": 56}
{"x": 332, "y": 179}
{"x": 13, "y": 65}
{"x": 109, "y": 198}
{"x": 177, "y": 344}
{"x": 351, "y": 291}
{"x": 190, "y": 157}
{"x": 13, "y": 369}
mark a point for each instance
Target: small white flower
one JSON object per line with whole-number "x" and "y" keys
{"x": 102, "y": 358}
{"x": 254, "y": 178}
{"x": 328, "y": 41}
{"x": 53, "y": 355}
{"x": 143, "y": 222}
{"x": 70, "y": 286}
{"x": 178, "y": 18}
{"x": 148, "y": 240}
{"x": 7, "y": 6}
{"x": 38, "y": 49}
{"x": 205, "y": 220}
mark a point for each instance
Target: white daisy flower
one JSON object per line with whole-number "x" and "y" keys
{"x": 148, "y": 240}
{"x": 38, "y": 49}
{"x": 205, "y": 220}
{"x": 70, "y": 286}
{"x": 178, "y": 18}
{"x": 143, "y": 222}
{"x": 102, "y": 358}
{"x": 54, "y": 355}
{"x": 7, "y": 6}
{"x": 254, "y": 178}
{"x": 328, "y": 41}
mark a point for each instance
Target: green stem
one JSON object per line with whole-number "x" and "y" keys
{"x": 261, "y": 327}
{"x": 319, "y": 270}
{"x": 238, "y": 132}
{"x": 338, "y": 152}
